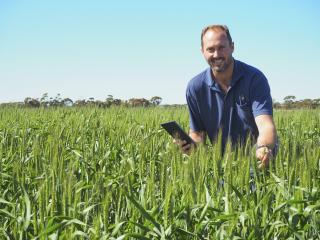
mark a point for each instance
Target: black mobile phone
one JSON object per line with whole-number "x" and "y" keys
{"x": 176, "y": 131}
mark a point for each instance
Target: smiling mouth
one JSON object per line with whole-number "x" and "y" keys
{"x": 217, "y": 61}
{"x": 220, "y": 60}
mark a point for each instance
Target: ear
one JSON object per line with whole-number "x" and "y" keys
{"x": 201, "y": 50}
{"x": 232, "y": 46}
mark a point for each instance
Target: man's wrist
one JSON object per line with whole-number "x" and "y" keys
{"x": 264, "y": 149}
{"x": 264, "y": 146}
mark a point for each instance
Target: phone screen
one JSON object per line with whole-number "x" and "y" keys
{"x": 176, "y": 131}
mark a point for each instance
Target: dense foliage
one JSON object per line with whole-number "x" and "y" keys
{"x": 93, "y": 173}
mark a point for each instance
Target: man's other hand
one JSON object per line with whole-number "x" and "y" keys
{"x": 264, "y": 155}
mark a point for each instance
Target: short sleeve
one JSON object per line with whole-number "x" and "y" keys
{"x": 195, "y": 119}
{"x": 261, "y": 101}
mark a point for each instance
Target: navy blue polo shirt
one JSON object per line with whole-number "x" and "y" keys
{"x": 212, "y": 110}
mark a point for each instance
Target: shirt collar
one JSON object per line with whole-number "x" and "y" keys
{"x": 236, "y": 75}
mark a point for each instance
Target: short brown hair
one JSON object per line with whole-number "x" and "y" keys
{"x": 216, "y": 27}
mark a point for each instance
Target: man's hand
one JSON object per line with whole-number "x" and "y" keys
{"x": 197, "y": 137}
{"x": 264, "y": 155}
{"x": 185, "y": 147}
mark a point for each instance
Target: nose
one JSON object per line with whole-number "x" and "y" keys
{"x": 217, "y": 53}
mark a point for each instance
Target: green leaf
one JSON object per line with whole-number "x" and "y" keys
{"x": 73, "y": 221}
{"x": 204, "y": 211}
{"x": 117, "y": 228}
{"x": 185, "y": 232}
{"x": 77, "y": 153}
{"x": 51, "y": 229}
{"x": 28, "y": 210}
{"x": 310, "y": 208}
{"x": 6, "y": 202}
{"x": 80, "y": 233}
{"x": 279, "y": 207}
{"x": 121, "y": 237}
{"x": 239, "y": 195}
{"x": 137, "y": 236}
{"x": 144, "y": 228}
{"x": 168, "y": 231}
{"x": 225, "y": 217}
{"x": 144, "y": 213}
{"x": 6, "y": 212}
{"x": 208, "y": 197}
{"x": 88, "y": 209}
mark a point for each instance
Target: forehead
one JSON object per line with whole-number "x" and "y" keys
{"x": 215, "y": 36}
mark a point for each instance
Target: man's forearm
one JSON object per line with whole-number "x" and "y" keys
{"x": 267, "y": 131}
{"x": 267, "y": 136}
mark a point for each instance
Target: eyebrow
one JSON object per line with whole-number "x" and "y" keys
{"x": 217, "y": 46}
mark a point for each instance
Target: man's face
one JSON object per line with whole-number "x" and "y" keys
{"x": 217, "y": 50}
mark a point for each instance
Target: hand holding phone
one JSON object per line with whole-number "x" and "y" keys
{"x": 177, "y": 132}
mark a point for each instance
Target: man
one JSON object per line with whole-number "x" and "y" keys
{"x": 231, "y": 97}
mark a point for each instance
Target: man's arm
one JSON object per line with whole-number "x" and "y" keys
{"x": 197, "y": 137}
{"x": 267, "y": 138}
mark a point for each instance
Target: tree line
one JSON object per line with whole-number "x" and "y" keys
{"x": 289, "y": 102}
{"x": 58, "y": 101}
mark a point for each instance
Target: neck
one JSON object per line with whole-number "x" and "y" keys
{"x": 224, "y": 78}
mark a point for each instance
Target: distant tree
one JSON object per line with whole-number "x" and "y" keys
{"x": 110, "y": 97}
{"x": 316, "y": 102}
{"x": 44, "y": 101}
{"x": 109, "y": 100}
{"x": 307, "y": 103}
{"x": 58, "y": 97}
{"x": 80, "y": 103}
{"x": 138, "y": 102}
{"x": 100, "y": 104}
{"x": 67, "y": 102}
{"x": 156, "y": 100}
{"x": 56, "y": 102}
{"x": 117, "y": 102}
{"x": 31, "y": 102}
{"x": 289, "y": 100}
{"x": 276, "y": 104}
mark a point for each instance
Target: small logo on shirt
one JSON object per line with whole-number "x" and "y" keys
{"x": 242, "y": 99}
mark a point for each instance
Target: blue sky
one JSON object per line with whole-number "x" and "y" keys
{"x": 84, "y": 49}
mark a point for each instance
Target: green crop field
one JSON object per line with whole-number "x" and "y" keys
{"x": 89, "y": 173}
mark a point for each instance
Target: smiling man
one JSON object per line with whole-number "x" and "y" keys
{"x": 230, "y": 96}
